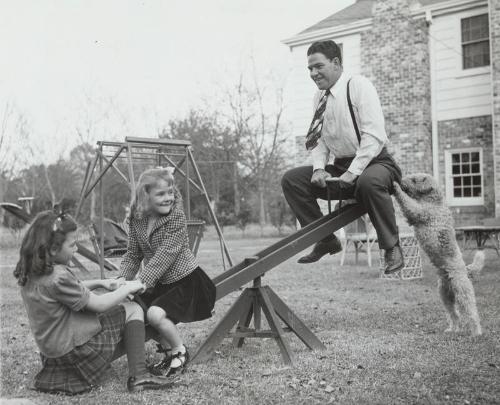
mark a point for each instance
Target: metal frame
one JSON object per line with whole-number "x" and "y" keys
{"x": 144, "y": 150}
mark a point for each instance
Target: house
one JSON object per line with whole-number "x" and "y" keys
{"x": 436, "y": 66}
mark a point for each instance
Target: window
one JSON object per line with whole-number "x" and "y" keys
{"x": 464, "y": 177}
{"x": 475, "y": 41}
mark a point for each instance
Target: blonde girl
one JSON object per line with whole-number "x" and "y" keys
{"x": 178, "y": 290}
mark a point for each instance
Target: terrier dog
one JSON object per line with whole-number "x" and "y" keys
{"x": 422, "y": 204}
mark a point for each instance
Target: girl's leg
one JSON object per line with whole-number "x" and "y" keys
{"x": 169, "y": 334}
{"x": 169, "y": 337}
{"x": 134, "y": 336}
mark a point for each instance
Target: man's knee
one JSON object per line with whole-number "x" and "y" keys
{"x": 155, "y": 315}
{"x": 373, "y": 180}
{"x": 286, "y": 180}
{"x": 298, "y": 177}
{"x": 133, "y": 311}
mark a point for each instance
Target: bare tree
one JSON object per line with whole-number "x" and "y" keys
{"x": 14, "y": 139}
{"x": 99, "y": 118}
{"x": 14, "y": 145}
{"x": 256, "y": 112}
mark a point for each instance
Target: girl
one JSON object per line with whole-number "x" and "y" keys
{"x": 178, "y": 290}
{"x": 76, "y": 330}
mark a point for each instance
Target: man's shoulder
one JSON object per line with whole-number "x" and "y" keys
{"x": 358, "y": 79}
{"x": 359, "y": 84}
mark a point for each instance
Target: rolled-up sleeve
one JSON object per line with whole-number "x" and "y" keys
{"x": 70, "y": 291}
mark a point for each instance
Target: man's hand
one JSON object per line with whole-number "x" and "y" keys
{"x": 347, "y": 180}
{"x": 319, "y": 178}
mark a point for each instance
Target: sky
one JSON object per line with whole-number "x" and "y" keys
{"x": 128, "y": 66}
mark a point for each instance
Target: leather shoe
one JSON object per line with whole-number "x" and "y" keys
{"x": 184, "y": 360}
{"x": 148, "y": 381}
{"x": 393, "y": 260}
{"x": 321, "y": 248}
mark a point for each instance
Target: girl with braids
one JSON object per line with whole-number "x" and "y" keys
{"x": 178, "y": 290}
{"x": 76, "y": 330}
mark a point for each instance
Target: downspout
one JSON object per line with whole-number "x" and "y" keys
{"x": 434, "y": 125}
{"x": 494, "y": 135}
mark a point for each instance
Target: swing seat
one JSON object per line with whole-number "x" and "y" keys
{"x": 195, "y": 230}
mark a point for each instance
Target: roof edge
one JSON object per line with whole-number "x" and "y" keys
{"x": 339, "y": 30}
{"x": 451, "y": 6}
{"x": 359, "y": 26}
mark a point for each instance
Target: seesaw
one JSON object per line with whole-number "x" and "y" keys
{"x": 259, "y": 298}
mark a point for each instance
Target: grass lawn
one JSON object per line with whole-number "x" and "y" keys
{"x": 384, "y": 338}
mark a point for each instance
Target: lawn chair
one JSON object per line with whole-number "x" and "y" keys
{"x": 360, "y": 234}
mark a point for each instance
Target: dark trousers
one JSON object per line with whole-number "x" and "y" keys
{"x": 372, "y": 190}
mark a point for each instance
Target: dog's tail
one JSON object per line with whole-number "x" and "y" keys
{"x": 477, "y": 264}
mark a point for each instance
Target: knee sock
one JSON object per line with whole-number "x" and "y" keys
{"x": 134, "y": 337}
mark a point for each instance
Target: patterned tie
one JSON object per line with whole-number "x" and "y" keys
{"x": 314, "y": 132}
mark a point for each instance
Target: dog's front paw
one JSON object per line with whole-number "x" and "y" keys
{"x": 397, "y": 188}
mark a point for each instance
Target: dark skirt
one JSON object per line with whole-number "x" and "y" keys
{"x": 82, "y": 368}
{"x": 189, "y": 299}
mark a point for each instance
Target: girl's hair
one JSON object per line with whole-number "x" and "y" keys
{"x": 148, "y": 180}
{"x": 47, "y": 233}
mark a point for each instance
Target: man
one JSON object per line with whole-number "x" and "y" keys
{"x": 347, "y": 147}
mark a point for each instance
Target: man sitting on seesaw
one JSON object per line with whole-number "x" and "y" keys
{"x": 347, "y": 139}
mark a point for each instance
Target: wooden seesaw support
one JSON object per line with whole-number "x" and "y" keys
{"x": 259, "y": 298}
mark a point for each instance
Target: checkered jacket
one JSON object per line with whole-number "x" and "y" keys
{"x": 166, "y": 254}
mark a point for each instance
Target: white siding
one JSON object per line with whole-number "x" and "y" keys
{"x": 458, "y": 93}
{"x": 300, "y": 88}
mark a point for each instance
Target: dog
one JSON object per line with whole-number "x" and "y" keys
{"x": 421, "y": 202}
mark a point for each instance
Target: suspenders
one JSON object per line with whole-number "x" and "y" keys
{"x": 351, "y": 110}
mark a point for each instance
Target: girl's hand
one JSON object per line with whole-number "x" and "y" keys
{"x": 112, "y": 284}
{"x": 135, "y": 286}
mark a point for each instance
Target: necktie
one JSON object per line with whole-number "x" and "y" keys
{"x": 314, "y": 132}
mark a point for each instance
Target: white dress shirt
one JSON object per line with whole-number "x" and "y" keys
{"x": 338, "y": 136}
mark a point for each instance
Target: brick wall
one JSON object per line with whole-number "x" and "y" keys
{"x": 465, "y": 133}
{"x": 494, "y": 13}
{"x": 395, "y": 56}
